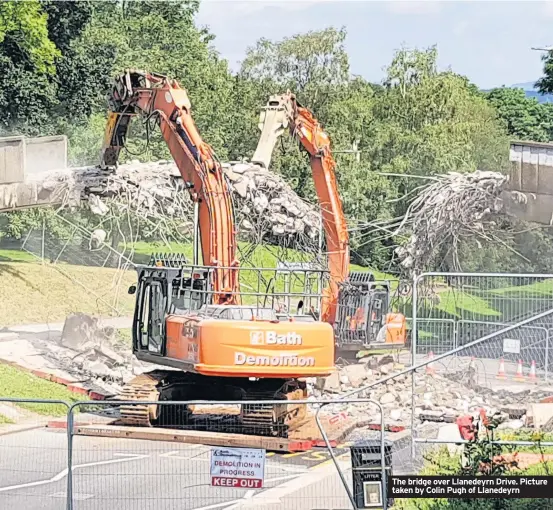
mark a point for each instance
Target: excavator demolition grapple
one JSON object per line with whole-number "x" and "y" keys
{"x": 212, "y": 340}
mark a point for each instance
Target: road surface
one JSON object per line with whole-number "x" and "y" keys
{"x": 128, "y": 474}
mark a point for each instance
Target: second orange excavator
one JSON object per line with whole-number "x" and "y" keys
{"x": 355, "y": 303}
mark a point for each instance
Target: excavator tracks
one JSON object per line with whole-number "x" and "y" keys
{"x": 142, "y": 388}
{"x": 259, "y": 419}
{"x": 276, "y": 420}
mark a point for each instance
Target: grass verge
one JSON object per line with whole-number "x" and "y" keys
{"x": 36, "y": 293}
{"x": 17, "y": 383}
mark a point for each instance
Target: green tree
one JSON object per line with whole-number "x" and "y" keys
{"x": 315, "y": 67}
{"x": 525, "y": 118}
{"x": 161, "y": 37}
{"x": 545, "y": 83}
{"x": 312, "y": 65}
{"x": 83, "y": 70}
{"x": 433, "y": 122}
{"x": 27, "y": 65}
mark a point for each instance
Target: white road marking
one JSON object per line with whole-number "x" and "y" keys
{"x": 76, "y": 496}
{"x": 248, "y": 495}
{"x": 173, "y": 455}
{"x": 62, "y": 474}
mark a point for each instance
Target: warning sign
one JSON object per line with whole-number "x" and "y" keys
{"x": 240, "y": 468}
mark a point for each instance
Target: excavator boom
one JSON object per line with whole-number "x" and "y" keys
{"x": 192, "y": 317}
{"x": 155, "y": 96}
{"x": 284, "y": 111}
{"x": 355, "y": 306}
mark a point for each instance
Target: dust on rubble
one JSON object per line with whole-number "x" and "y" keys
{"x": 453, "y": 206}
{"x": 86, "y": 352}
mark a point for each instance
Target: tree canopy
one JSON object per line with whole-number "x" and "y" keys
{"x": 57, "y": 60}
{"x": 525, "y": 117}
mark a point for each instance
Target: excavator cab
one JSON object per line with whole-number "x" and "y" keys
{"x": 165, "y": 286}
{"x": 362, "y": 318}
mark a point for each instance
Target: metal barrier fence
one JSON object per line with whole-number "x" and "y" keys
{"x": 462, "y": 381}
{"x": 471, "y": 377}
{"x": 464, "y": 376}
{"x": 98, "y": 466}
{"x": 529, "y": 344}
{"x": 452, "y": 309}
{"x": 33, "y": 463}
{"x": 434, "y": 335}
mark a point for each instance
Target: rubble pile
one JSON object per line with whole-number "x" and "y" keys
{"x": 267, "y": 208}
{"x": 453, "y": 206}
{"x": 439, "y": 398}
{"x": 87, "y": 353}
{"x": 267, "y": 204}
{"x": 92, "y": 353}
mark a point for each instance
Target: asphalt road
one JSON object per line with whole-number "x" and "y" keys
{"x": 128, "y": 474}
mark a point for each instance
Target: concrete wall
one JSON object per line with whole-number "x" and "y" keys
{"x": 45, "y": 153}
{"x": 21, "y": 157}
{"x": 12, "y": 159}
{"x": 531, "y": 174}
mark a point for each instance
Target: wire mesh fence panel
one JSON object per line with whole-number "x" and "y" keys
{"x": 88, "y": 274}
{"x": 183, "y": 463}
{"x": 434, "y": 335}
{"x": 480, "y": 298}
{"x": 33, "y": 458}
{"x": 492, "y": 370}
{"x": 527, "y": 344}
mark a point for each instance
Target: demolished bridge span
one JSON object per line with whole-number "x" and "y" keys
{"x": 267, "y": 207}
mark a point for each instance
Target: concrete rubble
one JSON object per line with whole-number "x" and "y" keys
{"x": 452, "y": 206}
{"x": 85, "y": 353}
{"x": 266, "y": 206}
{"x": 91, "y": 354}
{"x": 439, "y": 398}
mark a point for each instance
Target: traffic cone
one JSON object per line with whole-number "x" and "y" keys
{"x": 501, "y": 370}
{"x": 429, "y": 368}
{"x": 532, "y": 375}
{"x": 519, "y": 376}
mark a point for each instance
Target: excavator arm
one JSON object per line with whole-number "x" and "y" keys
{"x": 281, "y": 112}
{"x": 155, "y": 96}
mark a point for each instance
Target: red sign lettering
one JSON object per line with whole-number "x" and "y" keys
{"x": 242, "y": 483}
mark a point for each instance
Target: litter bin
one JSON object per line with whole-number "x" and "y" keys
{"x": 366, "y": 464}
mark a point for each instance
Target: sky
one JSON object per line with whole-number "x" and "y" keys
{"x": 490, "y": 42}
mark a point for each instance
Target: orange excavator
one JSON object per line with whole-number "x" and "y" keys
{"x": 219, "y": 341}
{"x": 215, "y": 340}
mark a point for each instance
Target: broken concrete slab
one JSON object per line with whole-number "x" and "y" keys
{"x": 450, "y": 432}
{"x": 4, "y": 336}
{"x": 330, "y": 383}
{"x": 429, "y": 415}
{"x": 539, "y": 415}
{"x": 356, "y": 374}
{"x": 388, "y": 398}
{"x": 514, "y": 411}
{"x": 450, "y": 417}
{"x": 511, "y": 425}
